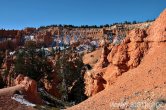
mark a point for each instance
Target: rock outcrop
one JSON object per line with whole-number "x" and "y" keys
{"x": 51, "y": 85}
{"x": 140, "y": 62}
{"x": 30, "y": 89}
{"x": 116, "y": 60}
{"x": 127, "y": 55}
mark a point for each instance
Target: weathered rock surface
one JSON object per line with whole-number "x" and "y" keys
{"x": 51, "y": 85}
{"x": 118, "y": 59}
{"x": 27, "y": 86}
{"x": 30, "y": 89}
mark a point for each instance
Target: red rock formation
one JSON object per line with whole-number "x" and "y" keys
{"x": 127, "y": 55}
{"x": 51, "y": 85}
{"x": 30, "y": 89}
{"x": 6, "y": 103}
{"x": 29, "y": 30}
{"x": 98, "y": 83}
{"x": 120, "y": 58}
{"x": 141, "y": 59}
{"x": 103, "y": 62}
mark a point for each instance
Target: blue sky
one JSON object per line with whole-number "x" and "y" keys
{"x": 18, "y": 14}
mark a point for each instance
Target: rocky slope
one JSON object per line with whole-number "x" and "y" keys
{"x": 23, "y": 84}
{"x": 134, "y": 78}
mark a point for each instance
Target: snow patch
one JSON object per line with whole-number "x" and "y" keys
{"x": 20, "y": 99}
